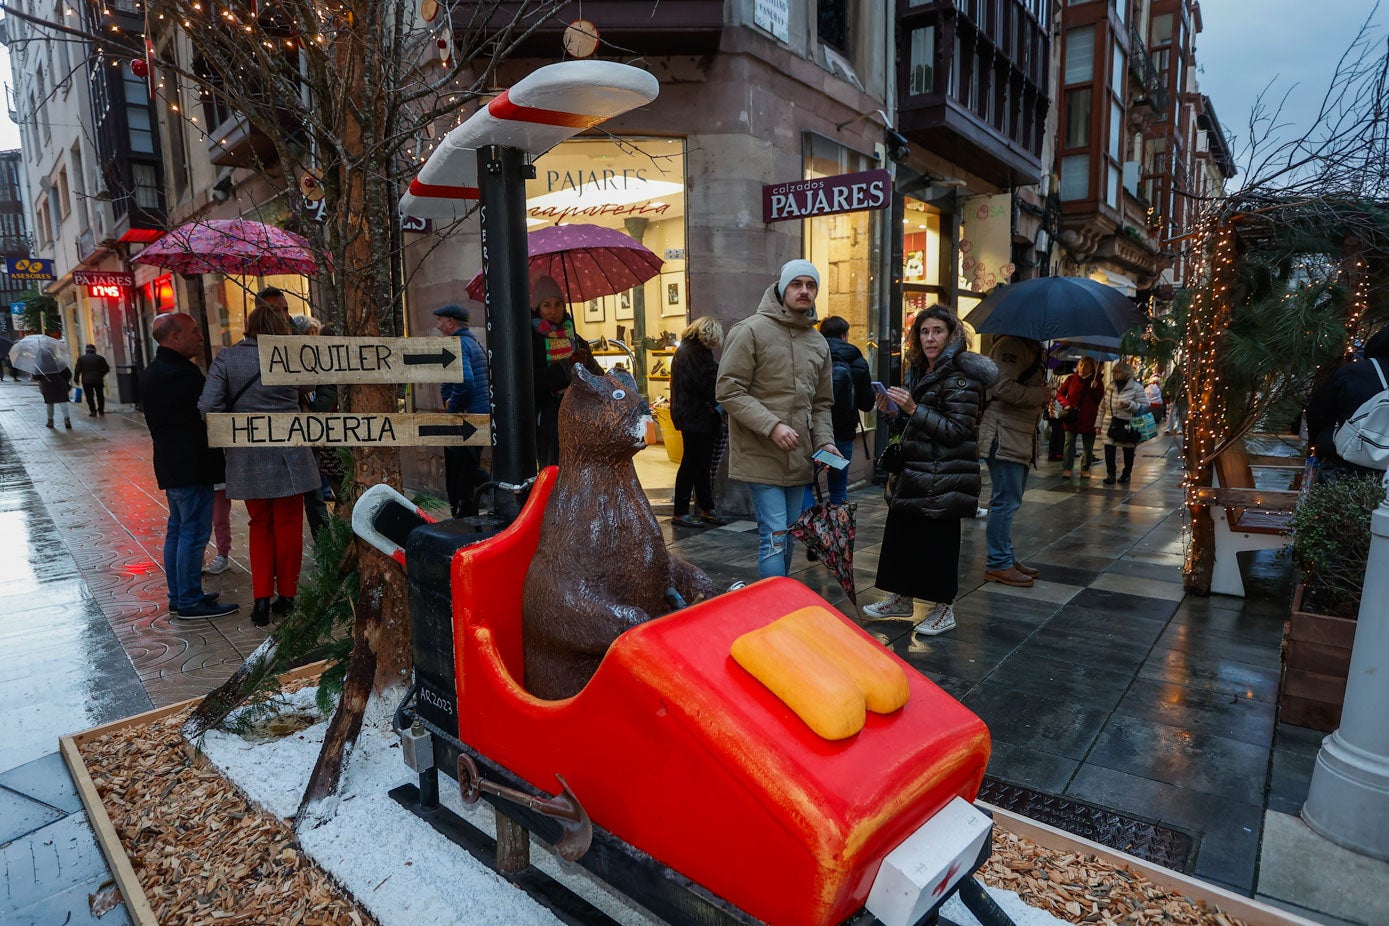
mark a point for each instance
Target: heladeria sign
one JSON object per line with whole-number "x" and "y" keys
{"x": 804, "y": 199}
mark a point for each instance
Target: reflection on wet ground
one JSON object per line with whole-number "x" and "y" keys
{"x": 1102, "y": 682}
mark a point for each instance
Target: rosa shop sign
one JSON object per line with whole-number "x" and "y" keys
{"x": 804, "y": 199}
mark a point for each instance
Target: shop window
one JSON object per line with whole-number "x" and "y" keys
{"x": 1080, "y": 55}
{"x": 845, "y": 248}
{"x": 1161, "y": 29}
{"x": 832, "y": 23}
{"x": 1078, "y": 118}
{"x": 1075, "y": 177}
{"x": 635, "y": 185}
{"x": 922, "y": 78}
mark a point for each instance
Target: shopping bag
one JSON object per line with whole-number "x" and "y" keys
{"x": 77, "y": 394}
{"x": 1146, "y": 425}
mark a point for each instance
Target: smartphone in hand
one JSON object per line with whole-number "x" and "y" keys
{"x": 829, "y": 459}
{"x": 881, "y": 390}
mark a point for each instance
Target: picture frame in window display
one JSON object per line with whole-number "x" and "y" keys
{"x": 622, "y": 307}
{"x": 595, "y": 313}
{"x": 672, "y": 295}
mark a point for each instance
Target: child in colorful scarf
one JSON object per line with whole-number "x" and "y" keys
{"x": 556, "y": 348}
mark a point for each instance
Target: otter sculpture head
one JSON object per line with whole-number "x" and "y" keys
{"x": 600, "y": 419}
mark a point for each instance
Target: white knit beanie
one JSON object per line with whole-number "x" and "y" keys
{"x": 792, "y": 269}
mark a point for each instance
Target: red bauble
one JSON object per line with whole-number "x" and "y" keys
{"x": 139, "y": 67}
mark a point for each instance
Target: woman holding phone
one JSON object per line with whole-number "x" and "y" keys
{"x": 939, "y": 483}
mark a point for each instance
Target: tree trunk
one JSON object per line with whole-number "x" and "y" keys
{"x": 381, "y": 655}
{"x": 1200, "y": 563}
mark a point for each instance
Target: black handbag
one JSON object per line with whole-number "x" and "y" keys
{"x": 893, "y": 459}
{"x": 1122, "y": 432}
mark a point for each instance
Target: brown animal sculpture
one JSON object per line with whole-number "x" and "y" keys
{"x": 602, "y": 565}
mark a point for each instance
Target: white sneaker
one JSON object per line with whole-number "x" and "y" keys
{"x": 216, "y": 566}
{"x": 941, "y": 619}
{"x": 894, "y": 605}
{"x": 981, "y": 512}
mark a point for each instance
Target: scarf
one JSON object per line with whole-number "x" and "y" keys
{"x": 559, "y": 338}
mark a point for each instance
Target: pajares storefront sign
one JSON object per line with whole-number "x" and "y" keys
{"x": 804, "y": 199}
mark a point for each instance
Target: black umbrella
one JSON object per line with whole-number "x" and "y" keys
{"x": 1056, "y": 308}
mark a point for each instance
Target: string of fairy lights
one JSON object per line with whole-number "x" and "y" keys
{"x": 1204, "y": 423}
{"x": 433, "y": 37}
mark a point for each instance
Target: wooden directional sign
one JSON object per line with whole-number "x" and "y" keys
{"x": 310, "y": 360}
{"x": 341, "y": 429}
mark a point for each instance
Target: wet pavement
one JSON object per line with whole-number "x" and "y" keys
{"x": 1102, "y": 683}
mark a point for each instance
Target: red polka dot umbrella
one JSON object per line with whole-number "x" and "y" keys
{"x": 587, "y": 261}
{"x": 237, "y": 247}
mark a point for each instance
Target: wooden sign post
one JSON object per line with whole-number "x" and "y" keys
{"x": 339, "y": 429}
{"x": 310, "y": 360}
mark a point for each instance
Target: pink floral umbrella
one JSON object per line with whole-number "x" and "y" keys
{"x": 587, "y": 261}
{"x": 237, "y": 247}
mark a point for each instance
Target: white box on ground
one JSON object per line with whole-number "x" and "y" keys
{"x": 921, "y": 871}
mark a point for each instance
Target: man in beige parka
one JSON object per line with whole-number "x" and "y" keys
{"x": 775, "y": 384}
{"x": 1008, "y": 443}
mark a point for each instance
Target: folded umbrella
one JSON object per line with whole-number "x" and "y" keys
{"x": 827, "y": 530}
{"x": 1057, "y": 308}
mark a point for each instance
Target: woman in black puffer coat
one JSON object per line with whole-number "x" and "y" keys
{"x": 939, "y": 482}
{"x": 695, "y": 413}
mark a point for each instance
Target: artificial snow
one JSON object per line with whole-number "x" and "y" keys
{"x": 395, "y": 864}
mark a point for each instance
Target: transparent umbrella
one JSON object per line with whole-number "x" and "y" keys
{"x": 38, "y": 353}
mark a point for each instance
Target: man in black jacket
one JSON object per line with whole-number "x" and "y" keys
{"x": 1339, "y": 397}
{"x": 184, "y": 466}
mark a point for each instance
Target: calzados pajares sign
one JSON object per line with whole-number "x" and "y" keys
{"x": 804, "y": 199}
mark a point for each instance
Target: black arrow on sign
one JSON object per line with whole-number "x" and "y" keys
{"x": 463, "y": 430}
{"x": 441, "y": 359}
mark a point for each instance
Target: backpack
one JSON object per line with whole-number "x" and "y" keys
{"x": 1363, "y": 439}
{"x": 844, "y": 414}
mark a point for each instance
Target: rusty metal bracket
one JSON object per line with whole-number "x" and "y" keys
{"x": 564, "y": 808}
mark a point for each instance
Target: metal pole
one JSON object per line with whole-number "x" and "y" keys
{"x": 502, "y": 173}
{"x": 1348, "y": 801}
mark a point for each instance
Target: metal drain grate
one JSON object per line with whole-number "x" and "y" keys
{"x": 1143, "y": 839}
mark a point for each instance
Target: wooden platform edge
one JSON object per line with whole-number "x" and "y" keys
{"x": 136, "y": 904}
{"x": 132, "y": 893}
{"x": 1253, "y": 912}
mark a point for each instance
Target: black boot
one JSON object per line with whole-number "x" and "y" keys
{"x": 260, "y": 612}
{"x": 282, "y": 604}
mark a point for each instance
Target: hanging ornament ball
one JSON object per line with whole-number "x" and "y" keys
{"x": 311, "y": 186}
{"x": 139, "y": 67}
{"x": 581, "y": 38}
{"x": 428, "y": 10}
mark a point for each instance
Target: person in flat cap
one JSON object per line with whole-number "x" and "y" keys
{"x": 91, "y": 370}
{"x": 463, "y": 472}
{"x": 776, "y": 384}
{"x": 556, "y": 348}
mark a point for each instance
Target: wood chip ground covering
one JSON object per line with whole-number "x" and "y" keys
{"x": 1082, "y": 888}
{"x": 204, "y": 854}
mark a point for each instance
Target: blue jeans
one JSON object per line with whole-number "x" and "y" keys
{"x": 836, "y": 480}
{"x": 190, "y": 524}
{"x": 1009, "y": 481}
{"x": 777, "y": 507}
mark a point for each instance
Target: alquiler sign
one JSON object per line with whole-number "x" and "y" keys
{"x": 804, "y": 199}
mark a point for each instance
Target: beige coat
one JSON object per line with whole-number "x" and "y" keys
{"x": 775, "y": 370}
{"x": 1014, "y": 408}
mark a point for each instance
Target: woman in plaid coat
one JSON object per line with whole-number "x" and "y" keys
{"x": 271, "y": 480}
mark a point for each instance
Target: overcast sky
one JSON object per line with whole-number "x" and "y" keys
{"x": 1245, "y": 44}
{"x": 1295, "y": 44}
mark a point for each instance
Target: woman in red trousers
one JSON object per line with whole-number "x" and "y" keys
{"x": 271, "y": 480}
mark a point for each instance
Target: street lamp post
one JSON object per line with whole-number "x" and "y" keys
{"x": 1348, "y": 802}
